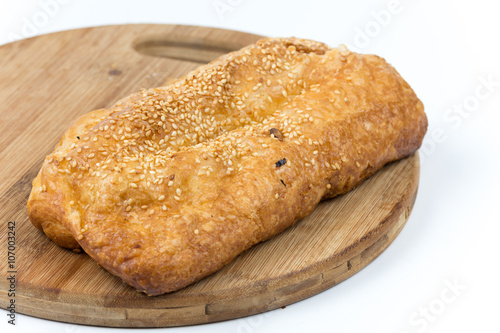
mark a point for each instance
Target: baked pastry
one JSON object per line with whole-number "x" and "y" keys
{"x": 172, "y": 183}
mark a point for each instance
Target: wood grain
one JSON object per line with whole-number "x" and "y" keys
{"x": 48, "y": 81}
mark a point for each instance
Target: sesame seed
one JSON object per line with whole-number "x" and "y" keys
{"x": 328, "y": 186}
{"x": 170, "y": 183}
{"x": 196, "y": 231}
{"x": 177, "y": 198}
{"x": 161, "y": 197}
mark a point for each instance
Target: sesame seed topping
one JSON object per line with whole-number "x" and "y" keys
{"x": 221, "y": 117}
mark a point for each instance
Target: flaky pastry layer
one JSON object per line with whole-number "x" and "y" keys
{"x": 172, "y": 183}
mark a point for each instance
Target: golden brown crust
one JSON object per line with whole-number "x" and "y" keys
{"x": 172, "y": 183}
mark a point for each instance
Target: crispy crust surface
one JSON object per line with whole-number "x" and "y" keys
{"x": 172, "y": 183}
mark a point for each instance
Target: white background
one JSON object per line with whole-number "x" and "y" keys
{"x": 440, "y": 274}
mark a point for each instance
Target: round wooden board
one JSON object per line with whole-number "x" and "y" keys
{"x": 47, "y": 81}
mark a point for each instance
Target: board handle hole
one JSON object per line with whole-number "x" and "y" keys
{"x": 185, "y": 48}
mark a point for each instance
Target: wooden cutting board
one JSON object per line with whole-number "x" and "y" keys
{"x": 48, "y": 81}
